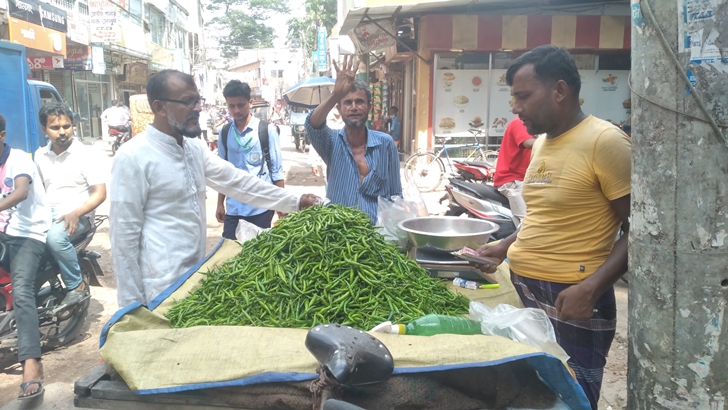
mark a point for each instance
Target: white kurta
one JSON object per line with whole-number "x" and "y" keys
{"x": 158, "y": 219}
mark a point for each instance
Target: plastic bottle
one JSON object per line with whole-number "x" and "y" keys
{"x": 438, "y": 324}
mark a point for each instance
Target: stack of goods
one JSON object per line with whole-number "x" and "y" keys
{"x": 376, "y": 117}
{"x": 321, "y": 265}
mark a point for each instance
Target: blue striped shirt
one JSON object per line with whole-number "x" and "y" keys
{"x": 345, "y": 187}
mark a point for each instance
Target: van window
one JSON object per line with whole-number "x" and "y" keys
{"x": 47, "y": 96}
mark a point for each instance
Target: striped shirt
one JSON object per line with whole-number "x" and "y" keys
{"x": 345, "y": 187}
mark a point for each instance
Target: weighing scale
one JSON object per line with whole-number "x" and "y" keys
{"x": 439, "y": 264}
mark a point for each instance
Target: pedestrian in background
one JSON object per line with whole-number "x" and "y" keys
{"x": 253, "y": 146}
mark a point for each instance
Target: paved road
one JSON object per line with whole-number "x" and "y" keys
{"x": 64, "y": 366}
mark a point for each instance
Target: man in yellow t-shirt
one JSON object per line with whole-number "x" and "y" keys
{"x": 564, "y": 259}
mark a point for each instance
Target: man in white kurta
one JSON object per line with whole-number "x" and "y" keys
{"x": 158, "y": 218}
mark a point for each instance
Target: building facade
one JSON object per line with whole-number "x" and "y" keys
{"x": 272, "y": 71}
{"x": 95, "y": 51}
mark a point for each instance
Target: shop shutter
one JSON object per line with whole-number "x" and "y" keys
{"x": 57, "y": 80}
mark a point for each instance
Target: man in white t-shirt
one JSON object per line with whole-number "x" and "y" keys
{"x": 24, "y": 221}
{"x": 75, "y": 187}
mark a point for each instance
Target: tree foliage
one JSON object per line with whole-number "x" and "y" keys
{"x": 241, "y": 23}
{"x": 302, "y": 31}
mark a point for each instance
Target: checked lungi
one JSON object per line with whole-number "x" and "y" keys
{"x": 587, "y": 342}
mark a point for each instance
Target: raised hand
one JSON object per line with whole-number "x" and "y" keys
{"x": 345, "y": 76}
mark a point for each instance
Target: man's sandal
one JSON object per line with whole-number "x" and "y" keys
{"x": 24, "y": 387}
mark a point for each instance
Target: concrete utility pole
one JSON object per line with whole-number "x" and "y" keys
{"x": 678, "y": 255}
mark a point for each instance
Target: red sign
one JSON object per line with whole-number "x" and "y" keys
{"x": 44, "y": 63}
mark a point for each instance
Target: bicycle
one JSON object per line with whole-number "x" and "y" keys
{"x": 428, "y": 169}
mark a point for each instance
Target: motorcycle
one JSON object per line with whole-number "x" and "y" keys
{"x": 59, "y": 324}
{"x": 481, "y": 201}
{"x": 473, "y": 171}
{"x": 347, "y": 357}
{"x": 117, "y": 137}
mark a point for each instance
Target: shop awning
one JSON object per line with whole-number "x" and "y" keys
{"x": 354, "y": 15}
{"x": 443, "y": 32}
{"x": 379, "y": 9}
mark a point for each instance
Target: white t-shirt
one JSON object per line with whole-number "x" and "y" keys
{"x": 32, "y": 217}
{"x": 68, "y": 177}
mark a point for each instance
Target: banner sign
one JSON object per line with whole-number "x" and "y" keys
{"x": 97, "y": 56}
{"x": 44, "y": 63}
{"x": 38, "y": 13}
{"x": 104, "y": 21}
{"x": 322, "y": 48}
{"x": 78, "y": 58}
{"x": 77, "y": 32}
{"x": 368, "y": 37}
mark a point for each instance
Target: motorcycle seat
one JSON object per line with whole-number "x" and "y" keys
{"x": 484, "y": 191}
{"x": 476, "y": 164}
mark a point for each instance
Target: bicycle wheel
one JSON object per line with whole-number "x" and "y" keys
{"x": 426, "y": 169}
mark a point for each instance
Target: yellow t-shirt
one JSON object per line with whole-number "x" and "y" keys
{"x": 570, "y": 226}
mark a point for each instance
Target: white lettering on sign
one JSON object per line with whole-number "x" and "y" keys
{"x": 29, "y": 34}
{"x": 49, "y": 15}
{"x": 24, "y": 6}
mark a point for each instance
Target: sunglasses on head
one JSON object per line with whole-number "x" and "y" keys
{"x": 58, "y": 127}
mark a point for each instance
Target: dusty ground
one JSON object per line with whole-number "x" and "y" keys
{"x": 66, "y": 365}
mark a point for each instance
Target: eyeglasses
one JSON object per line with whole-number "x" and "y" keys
{"x": 58, "y": 127}
{"x": 189, "y": 104}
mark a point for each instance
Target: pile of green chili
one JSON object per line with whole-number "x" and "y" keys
{"x": 321, "y": 265}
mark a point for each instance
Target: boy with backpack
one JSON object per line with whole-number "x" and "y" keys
{"x": 253, "y": 146}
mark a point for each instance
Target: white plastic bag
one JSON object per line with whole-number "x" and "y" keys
{"x": 247, "y": 231}
{"x": 391, "y": 212}
{"x": 525, "y": 325}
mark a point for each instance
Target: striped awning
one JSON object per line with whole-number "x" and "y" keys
{"x": 524, "y": 32}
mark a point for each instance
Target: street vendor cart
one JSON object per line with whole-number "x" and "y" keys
{"x": 158, "y": 356}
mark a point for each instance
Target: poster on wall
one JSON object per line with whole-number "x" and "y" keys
{"x": 460, "y": 102}
{"x": 501, "y": 104}
{"x": 611, "y": 94}
{"x": 588, "y": 97}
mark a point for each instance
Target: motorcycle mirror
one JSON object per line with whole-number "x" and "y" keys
{"x": 352, "y": 356}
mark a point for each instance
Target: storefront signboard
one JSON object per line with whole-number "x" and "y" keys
{"x": 461, "y": 101}
{"x": 104, "y": 21}
{"x": 44, "y": 63}
{"x": 78, "y": 58}
{"x": 136, "y": 73}
{"x": 38, "y": 13}
{"x": 36, "y": 37}
{"x": 121, "y": 3}
{"x": 78, "y": 32}
{"x": 162, "y": 58}
{"x": 369, "y": 37}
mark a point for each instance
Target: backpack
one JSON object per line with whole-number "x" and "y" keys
{"x": 264, "y": 143}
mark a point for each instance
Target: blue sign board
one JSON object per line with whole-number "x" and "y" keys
{"x": 322, "y": 48}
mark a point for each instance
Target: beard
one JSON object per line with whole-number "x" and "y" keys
{"x": 355, "y": 124}
{"x": 190, "y": 131}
